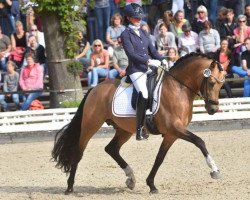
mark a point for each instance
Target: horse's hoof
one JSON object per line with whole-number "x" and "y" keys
{"x": 68, "y": 191}
{"x": 155, "y": 191}
{"x": 130, "y": 183}
{"x": 215, "y": 175}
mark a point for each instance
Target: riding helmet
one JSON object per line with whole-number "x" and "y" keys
{"x": 134, "y": 10}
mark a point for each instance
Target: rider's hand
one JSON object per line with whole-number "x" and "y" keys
{"x": 155, "y": 63}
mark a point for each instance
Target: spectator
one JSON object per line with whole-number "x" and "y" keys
{"x": 177, "y": 5}
{"x": 172, "y": 56}
{"x": 114, "y": 31}
{"x": 167, "y": 19}
{"x": 102, "y": 14}
{"x": 176, "y": 26}
{"x": 119, "y": 61}
{"x": 209, "y": 39}
{"x": 198, "y": 23}
{"x": 10, "y": 85}
{"x": 244, "y": 70}
{"x": 38, "y": 52}
{"x": 18, "y": 43}
{"x": 145, "y": 27}
{"x": 6, "y": 19}
{"x": 31, "y": 80}
{"x": 157, "y": 6}
{"x": 188, "y": 41}
{"x": 165, "y": 40}
{"x": 5, "y": 48}
{"x": 38, "y": 34}
{"x": 236, "y": 5}
{"x": 99, "y": 63}
{"x": 221, "y": 17}
{"x": 83, "y": 54}
{"x": 228, "y": 27}
{"x": 241, "y": 33}
{"x": 224, "y": 56}
{"x": 247, "y": 13}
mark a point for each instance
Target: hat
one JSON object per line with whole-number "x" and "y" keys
{"x": 186, "y": 27}
{"x": 134, "y": 10}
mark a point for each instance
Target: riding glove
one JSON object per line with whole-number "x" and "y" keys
{"x": 155, "y": 63}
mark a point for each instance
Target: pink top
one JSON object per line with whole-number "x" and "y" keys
{"x": 99, "y": 59}
{"x": 31, "y": 78}
{"x": 246, "y": 33}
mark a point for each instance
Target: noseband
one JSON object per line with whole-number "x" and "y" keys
{"x": 208, "y": 73}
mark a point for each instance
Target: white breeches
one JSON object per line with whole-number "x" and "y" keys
{"x": 139, "y": 80}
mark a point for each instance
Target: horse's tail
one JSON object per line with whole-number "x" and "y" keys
{"x": 66, "y": 144}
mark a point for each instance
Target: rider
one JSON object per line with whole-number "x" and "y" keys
{"x": 140, "y": 52}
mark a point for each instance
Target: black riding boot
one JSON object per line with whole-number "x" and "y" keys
{"x": 141, "y": 107}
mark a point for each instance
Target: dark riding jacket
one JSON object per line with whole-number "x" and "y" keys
{"x": 139, "y": 50}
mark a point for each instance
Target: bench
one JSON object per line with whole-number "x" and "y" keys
{"x": 55, "y": 119}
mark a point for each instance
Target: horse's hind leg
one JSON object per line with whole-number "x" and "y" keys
{"x": 113, "y": 149}
{"x": 190, "y": 137}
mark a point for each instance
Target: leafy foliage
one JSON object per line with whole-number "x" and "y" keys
{"x": 71, "y": 19}
{"x": 74, "y": 67}
{"x": 71, "y": 104}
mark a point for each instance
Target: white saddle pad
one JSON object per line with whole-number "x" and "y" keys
{"x": 121, "y": 105}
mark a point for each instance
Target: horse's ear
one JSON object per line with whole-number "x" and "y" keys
{"x": 216, "y": 63}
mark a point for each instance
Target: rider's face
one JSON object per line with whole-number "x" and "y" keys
{"x": 135, "y": 21}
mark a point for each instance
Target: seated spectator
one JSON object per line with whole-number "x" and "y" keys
{"x": 209, "y": 39}
{"x": 146, "y": 28}
{"x": 224, "y": 56}
{"x": 99, "y": 63}
{"x": 198, "y": 23}
{"x": 164, "y": 40}
{"x": 244, "y": 70}
{"x": 18, "y": 43}
{"x": 38, "y": 51}
{"x": 241, "y": 33}
{"x": 83, "y": 54}
{"x": 38, "y": 34}
{"x": 176, "y": 26}
{"x": 172, "y": 56}
{"x": 114, "y": 31}
{"x": 10, "y": 84}
{"x": 5, "y": 48}
{"x": 188, "y": 40}
{"x": 227, "y": 28}
{"x": 31, "y": 79}
{"x": 119, "y": 61}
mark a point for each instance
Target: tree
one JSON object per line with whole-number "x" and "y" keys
{"x": 60, "y": 29}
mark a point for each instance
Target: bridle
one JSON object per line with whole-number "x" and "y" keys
{"x": 206, "y": 73}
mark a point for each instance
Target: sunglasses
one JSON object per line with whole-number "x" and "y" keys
{"x": 33, "y": 29}
{"x": 97, "y": 45}
{"x": 200, "y": 12}
{"x": 242, "y": 21}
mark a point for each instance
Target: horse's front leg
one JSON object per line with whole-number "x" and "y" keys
{"x": 113, "y": 149}
{"x": 197, "y": 141}
{"x": 166, "y": 144}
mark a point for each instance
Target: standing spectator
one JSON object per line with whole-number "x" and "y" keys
{"x": 164, "y": 40}
{"x": 209, "y": 39}
{"x": 247, "y": 13}
{"x": 83, "y": 54}
{"x": 102, "y": 14}
{"x": 244, "y": 70}
{"x": 6, "y": 19}
{"x": 227, "y": 28}
{"x": 31, "y": 78}
{"x": 224, "y": 56}
{"x": 188, "y": 41}
{"x": 119, "y": 61}
{"x": 5, "y": 48}
{"x": 213, "y": 7}
{"x": 221, "y": 17}
{"x": 198, "y": 23}
{"x": 176, "y": 26}
{"x": 172, "y": 56}
{"x": 99, "y": 63}
{"x": 157, "y": 6}
{"x": 177, "y": 5}
{"x": 114, "y": 31}
{"x": 236, "y": 5}
{"x": 10, "y": 85}
{"x": 38, "y": 34}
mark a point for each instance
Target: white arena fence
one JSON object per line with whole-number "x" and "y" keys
{"x": 55, "y": 119}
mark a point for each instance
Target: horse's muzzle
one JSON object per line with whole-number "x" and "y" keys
{"x": 211, "y": 109}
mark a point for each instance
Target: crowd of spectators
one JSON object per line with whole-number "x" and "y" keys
{"x": 220, "y": 29}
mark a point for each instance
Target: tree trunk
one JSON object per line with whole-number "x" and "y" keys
{"x": 59, "y": 77}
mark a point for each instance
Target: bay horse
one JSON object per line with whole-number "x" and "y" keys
{"x": 191, "y": 74}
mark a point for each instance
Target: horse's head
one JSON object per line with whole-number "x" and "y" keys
{"x": 214, "y": 77}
